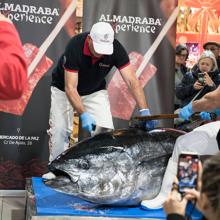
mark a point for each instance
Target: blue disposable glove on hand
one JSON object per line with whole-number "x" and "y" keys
{"x": 186, "y": 111}
{"x": 217, "y": 111}
{"x": 148, "y": 124}
{"x": 88, "y": 122}
{"x": 205, "y": 116}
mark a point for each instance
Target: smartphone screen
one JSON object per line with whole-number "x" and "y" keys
{"x": 187, "y": 171}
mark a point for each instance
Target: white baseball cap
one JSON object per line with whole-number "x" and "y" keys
{"x": 102, "y": 36}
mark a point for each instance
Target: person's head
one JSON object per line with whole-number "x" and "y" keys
{"x": 181, "y": 54}
{"x": 210, "y": 191}
{"x": 101, "y": 39}
{"x": 207, "y": 62}
{"x": 213, "y": 46}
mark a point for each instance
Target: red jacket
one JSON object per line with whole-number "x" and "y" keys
{"x": 13, "y": 69}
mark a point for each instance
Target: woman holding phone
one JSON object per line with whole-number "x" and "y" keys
{"x": 196, "y": 83}
{"x": 206, "y": 196}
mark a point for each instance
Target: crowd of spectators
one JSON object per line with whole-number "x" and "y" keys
{"x": 203, "y": 77}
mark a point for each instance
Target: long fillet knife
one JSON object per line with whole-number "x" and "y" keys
{"x": 156, "y": 117}
{"x": 195, "y": 116}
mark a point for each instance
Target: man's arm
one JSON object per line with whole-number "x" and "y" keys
{"x": 13, "y": 69}
{"x": 71, "y": 82}
{"x": 131, "y": 80}
{"x": 138, "y": 93}
{"x": 208, "y": 102}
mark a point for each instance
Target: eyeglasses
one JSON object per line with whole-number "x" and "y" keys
{"x": 212, "y": 48}
{"x": 182, "y": 55}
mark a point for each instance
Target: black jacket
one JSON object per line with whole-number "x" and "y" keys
{"x": 175, "y": 217}
{"x": 185, "y": 90}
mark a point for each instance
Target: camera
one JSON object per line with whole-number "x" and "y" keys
{"x": 187, "y": 173}
{"x": 201, "y": 78}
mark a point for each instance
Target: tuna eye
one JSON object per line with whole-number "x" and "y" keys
{"x": 83, "y": 164}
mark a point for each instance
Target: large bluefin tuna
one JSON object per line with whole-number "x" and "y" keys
{"x": 120, "y": 168}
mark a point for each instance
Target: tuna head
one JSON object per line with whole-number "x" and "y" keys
{"x": 118, "y": 168}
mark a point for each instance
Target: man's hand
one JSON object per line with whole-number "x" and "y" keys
{"x": 88, "y": 122}
{"x": 186, "y": 111}
{"x": 205, "y": 116}
{"x": 148, "y": 124}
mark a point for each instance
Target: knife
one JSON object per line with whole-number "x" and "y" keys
{"x": 156, "y": 117}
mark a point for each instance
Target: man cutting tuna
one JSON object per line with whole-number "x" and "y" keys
{"x": 78, "y": 83}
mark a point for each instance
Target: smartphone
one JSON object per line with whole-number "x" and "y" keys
{"x": 187, "y": 173}
{"x": 201, "y": 78}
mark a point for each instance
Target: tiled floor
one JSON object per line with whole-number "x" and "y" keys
{"x": 12, "y": 208}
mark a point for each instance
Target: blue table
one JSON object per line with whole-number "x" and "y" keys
{"x": 49, "y": 202}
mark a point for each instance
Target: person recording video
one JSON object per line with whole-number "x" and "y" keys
{"x": 206, "y": 196}
{"x": 204, "y": 79}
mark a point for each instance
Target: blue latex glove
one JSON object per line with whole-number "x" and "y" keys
{"x": 88, "y": 122}
{"x": 217, "y": 111}
{"x": 148, "y": 124}
{"x": 186, "y": 111}
{"x": 205, "y": 115}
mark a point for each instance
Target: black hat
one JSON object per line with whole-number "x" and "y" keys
{"x": 211, "y": 43}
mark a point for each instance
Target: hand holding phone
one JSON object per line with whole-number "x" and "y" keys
{"x": 201, "y": 78}
{"x": 187, "y": 173}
